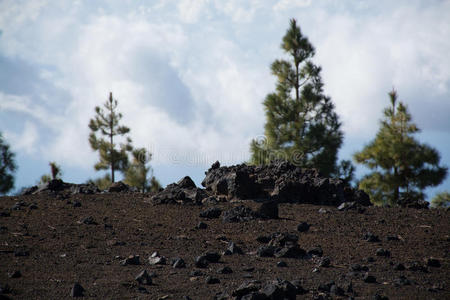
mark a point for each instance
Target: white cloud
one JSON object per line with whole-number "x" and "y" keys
{"x": 291, "y": 4}
{"x": 26, "y": 141}
{"x": 191, "y": 10}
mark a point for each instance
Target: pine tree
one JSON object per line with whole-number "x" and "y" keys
{"x": 301, "y": 125}
{"x": 441, "y": 200}
{"x": 402, "y": 166}
{"x": 137, "y": 172}
{"x": 55, "y": 173}
{"x": 103, "y": 183}
{"x": 7, "y": 167}
{"x": 106, "y": 122}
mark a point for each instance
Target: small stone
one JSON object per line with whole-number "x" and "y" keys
{"x": 131, "y": 260}
{"x": 323, "y": 211}
{"x": 212, "y": 257}
{"x": 392, "y": 238}
{"x": 201, "y": 225}
{"x": 383, "y": 252}
{"x": 336, "y": 290}
{"x": 196, "y": 273}
{"x": 211, "y": 213}
{"x": 401, "y": 281}
{"x": 15, "y": 274}
{"x": 369, "y": 278}
{"x": 212, "y": 280}
{"x": 433, "y": 262}
{"x": 371, "y": 238}
{"x": 88, "y": 221}
{"x": 142, "y": 290}
{"x": 248, "y": 269}
{"x": 325, "y": 287}
{"x": 76, "y": 204}
{"x": 266, "y": 251}
{"x": 399, "y": 267}
{"x": 77, "y": 290}
{"x": 157, "y": 260}
{"x": 144, "y": 278}
{"x": 179, "y": 263}
{"x": 201, "y": 261}
{"x": 233, "y": 249}
{"x": 370, "y": 259}
{"x": 263, "y": 239}
{"x": 33, "y": 206}
{"x": 21, "y": 252}
{"x": 269, "y": 210}
{"x": 380, "y": 297}
{"x": 281, "y": 264}
{"x": 316, "y": 251}
{"x": 325, "y": 262}
{"x": 225, "y": 270}
{"x": 303, "y": 227}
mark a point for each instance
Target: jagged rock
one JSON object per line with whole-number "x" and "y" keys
{"x": 399, "y": 267}
{"x": 233, "y": 249}
{"x": 201, "y": 261}
{"x": 239, "y": 213}
{"x": 246, "y": 288}
{"x": 88, "y": 221}
{"x": 144, "y": 278}
{"x": 383, "y": 252}
{"x": 118, "y": 187}
{"x": 401, "y": 281}
{"x": 303, "y": 227}
{"x": 201, "y": 225}
{"x": 156, "y": 259}
{"x": 212, "y": 257}
{"x": 433, "y": 262}
{"x": 370, "y": 237}
{"x": 225, "y": 270}
{"x": 369, "y": 278}
{"x": 183, "y": 192}
{"x": 77, "y": 290}
{"x": 266, "y": 251}
{"x": 131, "y": 260}
{"x": 324, "y": 262}
{"x": 281, "y": 264}
{"x": 317, "y": 251}
{"x": 281, "y": 181}
{"x": 283, "y": 239}
{"x": 268, "y": 210}
{"x": 178, "y": 263}
{"x": 211, "y": 213}
{"x": 293, "y": 251}
{"x": 212, "y": 280}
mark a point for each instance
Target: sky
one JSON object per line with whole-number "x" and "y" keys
{"x": 190, "y": 75}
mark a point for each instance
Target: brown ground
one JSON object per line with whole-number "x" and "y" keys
{"x": 63, "y": 251}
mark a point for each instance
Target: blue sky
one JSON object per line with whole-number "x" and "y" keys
{"x": 190, "y": 75}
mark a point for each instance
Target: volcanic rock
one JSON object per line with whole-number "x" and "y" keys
{"x": 144, "y": 278}
{"x": 183, "y": 192}
{"x": 303, "y": 227}
{"x": 77, "y": 290}
{"x": 211, "y": 213}
{"x": 239, "y": 213}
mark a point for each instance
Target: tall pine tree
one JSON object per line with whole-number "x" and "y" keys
{"x": 402, "y": 166}
{"x": 106, "y": 122}
{"x": 301, "y": 125}
{"x": 7, "y": 167}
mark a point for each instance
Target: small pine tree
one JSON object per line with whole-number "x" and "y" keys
{"x": 441, "y": 200}
{"x": 7, "y": 167}
{"x": 103, "y": 183}
{"x": 55, "y": 173}
{"x": 137, "y": 172}
{"x": 155, "y": 186}
{"x": 402, "y": 167}
{"x": 345, "y": 171}
{"x": 301, "y": 125}
{"x": 106, "y": 122}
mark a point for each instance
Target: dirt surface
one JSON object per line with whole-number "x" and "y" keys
{"x": 52, "y": 249}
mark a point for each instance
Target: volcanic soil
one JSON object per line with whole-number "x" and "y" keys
{"x": 50, "y": 243}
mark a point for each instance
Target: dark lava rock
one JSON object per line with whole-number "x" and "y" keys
{"x": 186, "y": 183}
{"x": 212, "y": 280}
{"x": 222, "y": 296}
{"x": 370, "y": 259}
{"x": 281, "y": 264}
{"x": 316, "y": 251}
{"x": 292, "y": 251}
{"x": 178, "y": 263}
{"x": 336, "y": 290}
{"x": 325, "y": 262}
{"x": 281, "y": 181}
{"x": 201, "y": 225}
{"x": 211, "y": 213}
{"x": 283, "y": 239}
{"x": 380, "y": 297}
{"x": 246, "y": 288}
{"x": 303, "y": 227}
{"x": 15, "y": 274}
{"x": 156, "y": 259}
{"x": 392, "y": 238}
{"x": 33, "y": 206}
{"x": 263, "y": 239}
{"x": 266, "y": 251}
{"x": 118, "y": 187}
{"x": 433, "y": 262}
{"x": 325, "y": 287}
{"x": 144, "y": 278}
{"x": 347, "y": 206}
{"x": 369, "y": 278}
{"x": 201, "y": 261}
{"x": 383, "y": 252}
{"x": 196, "y": 273}
{"x": 88, "y": 221}
{"x": 4, "y": 213}
{"x": 212, "y": 257}
{"x": 77, "y": 290}
{"x": 401, "y": 281}
{"x": 225, "y": 270}
{"x": 21, "y": 252}
{"x": 29, "y": 190}
{"x": 76, "y": 204}
{"x": 358, "y": 268}
{"x": 183, "y": 192}
{"x": 239, "y": 213}
{"x": 416, "y": 266}
{"x": 233, "y": 249}
{"x": 131, "y": 260}
{"x": 268, "y": 210}
{"x": 399, "y": 267}
{"x": 370, "y": 237}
